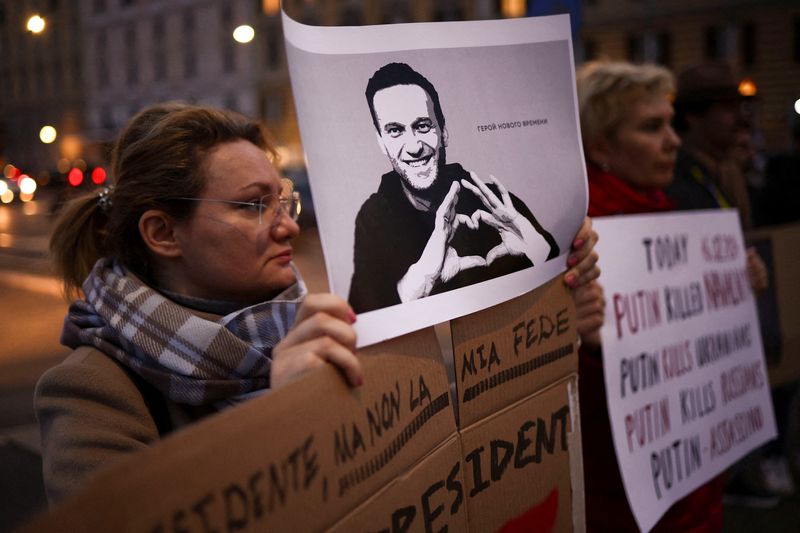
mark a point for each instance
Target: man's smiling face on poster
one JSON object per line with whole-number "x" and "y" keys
{"x": 410, "y": 134}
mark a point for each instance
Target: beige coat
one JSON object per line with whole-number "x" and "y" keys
{"x": 93, "y": 412}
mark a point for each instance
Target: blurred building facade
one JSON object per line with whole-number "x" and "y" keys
{"x": 142, "y": 52}
{"x": 42, "y": 84}
{"x": 100, "y": 61}
{"x": 760, "y": 38}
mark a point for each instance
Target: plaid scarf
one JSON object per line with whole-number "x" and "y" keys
{"x": 189, "y": 359}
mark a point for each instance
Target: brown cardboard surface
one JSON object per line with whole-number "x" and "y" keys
{"x": 429, "y": 497}
{"x": 785, "y": 288}
{"x": 505, "y": 353}
{"x": 516, "y": 465}
{"x": 288, "y": 460}
{"x": 380, "y": 457}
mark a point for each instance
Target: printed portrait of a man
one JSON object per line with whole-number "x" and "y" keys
{"x": 432, "y": 226}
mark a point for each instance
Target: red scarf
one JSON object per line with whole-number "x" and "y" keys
{"x": 609, "y": 195}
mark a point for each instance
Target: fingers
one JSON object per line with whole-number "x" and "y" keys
{"x": 484, "y": 194}
{"x": 328, "y": 303}
{"x": 756, "y": 271}
{"x": 345, "y": 360}
{"x": 323, "y": 325}
{"x": 322, "y": 332}
{"x": 485, "y": 191}
{"x": 465, "y": 220}
{"x": 470, "y": 261}
{"x": 589, "y": 297}
{"x": 495, "y": 253}
{"x": 291, "y": 362}
{"x": 590, "y": 312}
{"x": 481, "y": 215}
{"x": 583, "y": 259}
{"x": 583, "y": 243}
{"x": 503, "y": 192}
{"x": 448, "y": 204}
{"x": 585, "y": 271}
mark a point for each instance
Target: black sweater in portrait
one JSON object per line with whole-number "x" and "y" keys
{"x": 390, "y": 235}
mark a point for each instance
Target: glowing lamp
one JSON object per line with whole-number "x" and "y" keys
{"x": 35, "y": 24}
{"x": 75, "y": 177}
{"x": 747, "y": 87}
{"x": 98, "y": 175}
{"x": 27, "y": 185}
{"x": 244, "y": 34}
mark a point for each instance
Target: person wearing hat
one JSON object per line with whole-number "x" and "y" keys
{"x": 708, "y": 116}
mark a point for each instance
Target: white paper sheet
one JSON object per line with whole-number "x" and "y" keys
{"x": 687, "y": 386}
{"x": 507, "y": 93}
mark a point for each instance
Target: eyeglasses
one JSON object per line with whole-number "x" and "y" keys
{"x": 272, "y": 205}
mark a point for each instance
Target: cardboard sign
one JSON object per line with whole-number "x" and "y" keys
{"x": 394, "y": 118}
{"x": 516, "y": 465}
{"x": 504, "y": 353}
{"x": 779, "y": 305}
{"x": 300, "y": 457}
{"x": 384, "y": 457}
{"x": 687, "y": 385}
{"x": 429, "y": 497}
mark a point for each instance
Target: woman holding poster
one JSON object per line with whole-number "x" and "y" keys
{"x": 631, "y": 149}
{"x": 189, "y": 300}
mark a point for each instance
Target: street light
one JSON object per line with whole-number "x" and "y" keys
{"x": 797, "y": 106}
{"x": 244, "y": 34}
{"x": 35, "y": 24}
{"x": 47, "y": 134}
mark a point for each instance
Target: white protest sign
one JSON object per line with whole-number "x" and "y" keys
{"x": 684, "y": 368}
{"x": 400, "y": 123}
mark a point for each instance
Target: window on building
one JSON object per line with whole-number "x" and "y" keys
{"x": 309, "y": 15}
{"x": 231, "y": 102}
{"x": 58, "y": 73}
{"x": 747, "y": 44}
{"x": 76, "y": 71}
{"x": 39, "y": 84}
{"x": 636, "y": 48}
{"x": 796, "y": 40}
{"x": 395, "y": 11}
{"x": 273, "y": 108}
{"x": 273, "y": 44}
{"x": 132, "y": 60}
{"x": 663, "y": 52}
{"x": 712, "y": 43}
{"x": 447, "y": 10}
{"x": 351, "y": 15}
{"x": 189, "y": 54}
{"x": 228, "y": 45}
{"x": 101, "y": 62}
{"x": 589, "y": 49}
{"x": 159, "y": 50}
{"x": 106, "y": 119}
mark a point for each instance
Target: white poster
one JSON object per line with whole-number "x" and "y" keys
{"x": 687, "y": 385}
{"x": 444, "y": 161}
